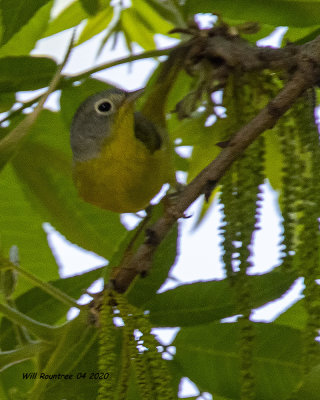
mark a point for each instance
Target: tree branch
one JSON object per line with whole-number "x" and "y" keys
{"x": 234, "y": 51}
{"x": 306, "y": 63}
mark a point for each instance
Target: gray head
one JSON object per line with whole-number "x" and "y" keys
{"x": 91, "y": 122}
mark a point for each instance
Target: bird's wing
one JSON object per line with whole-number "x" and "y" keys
{"x": 147, "y": 133}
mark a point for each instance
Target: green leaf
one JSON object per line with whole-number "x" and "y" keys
{"x": 146, "y": 288}
{"x": 184, "y": 84}
{"x": 168, "y": 11}
{"x": 273, "y": 160}
{"x": 21, "y": 225}
{"x": 15, "y": 14}
{"x": 185, "y": 129}
{"x": 136, "y": 29}
{"x": 204, "y": 139}
{"x": 76, "y": 346}
{"x": 151, "y": 19}
{"x": 35, "y": 303}
{"x": 77, "y": 352}
{"x": 25, "y": 73}
{"x": 203, "y": 302}
{"x": 91, "y": 7}
{"x": 24, "y": 41}
{"x": 214, "y": 350}
{"x": 11, "y": 384}
{"x": 2, "y": 394}
{"x": 176, "y": 373}
{"x": 133, "y": 387}
{"x": 96, "y": 24}
{"x": 68, "y": 18}
{"x": 48, "y": 185}
{"x": 301, "y": 35}
{"x": 6, "y": 101}
{"x": 205, "y": 149}
{"x": 296, "y": 316}
{"x": 310, "y": 388}
{"x": 272, "y": 12}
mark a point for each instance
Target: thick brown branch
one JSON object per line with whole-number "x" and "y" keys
{"x": 235, "y": 52}
{"x": 266, "y": 119}
{"x": 307, "y": 73}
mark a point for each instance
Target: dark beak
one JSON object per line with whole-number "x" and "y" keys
{"x": 133, "y": 96}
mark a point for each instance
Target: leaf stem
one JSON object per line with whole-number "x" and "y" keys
{"x": 125, "y": 60}
{"x": 52, "y": 290}
{"x": 8, "y": 358}
{"x": 42, "y": 331}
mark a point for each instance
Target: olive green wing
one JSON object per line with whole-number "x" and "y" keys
{"x": 147, "y": 133}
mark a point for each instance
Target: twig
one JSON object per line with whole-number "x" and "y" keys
{"x": 134, "y": 57}
{"x": 67, "y": 80}
{"x": 10, "y": 143}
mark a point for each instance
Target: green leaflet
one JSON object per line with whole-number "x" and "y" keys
{"x": 309, "y": 390}
{"x": 71, "y": 16}
{"x": 91, "y": 6}
{"x": 96, "y": 24}
{"x": 35, "y": 303}
{"x": 15, "y": 14}
{"x": 214, "y": 348}
{"x": 25, "y": 39}
{"x": 288, "y": 13}
{"x": 163, "y": 260}
{"x": 295, "y": 316}
{"x": 37, "y": 73}
{"x": 203, "y": 302}
{"x": 21, "y": 225}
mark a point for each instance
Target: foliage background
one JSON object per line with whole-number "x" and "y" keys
{"x": 36, "y": 186}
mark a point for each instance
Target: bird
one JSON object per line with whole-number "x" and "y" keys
{"x": 121, "y": 157}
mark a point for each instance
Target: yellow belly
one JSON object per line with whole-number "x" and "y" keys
{"x": 123, "y": 179}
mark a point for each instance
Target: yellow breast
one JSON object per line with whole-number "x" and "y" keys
{"x": 125, "y": 176}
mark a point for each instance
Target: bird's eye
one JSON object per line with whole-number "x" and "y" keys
{"x": 103, "y": 106}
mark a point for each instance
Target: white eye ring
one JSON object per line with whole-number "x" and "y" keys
{"x": 103, "y": 106}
